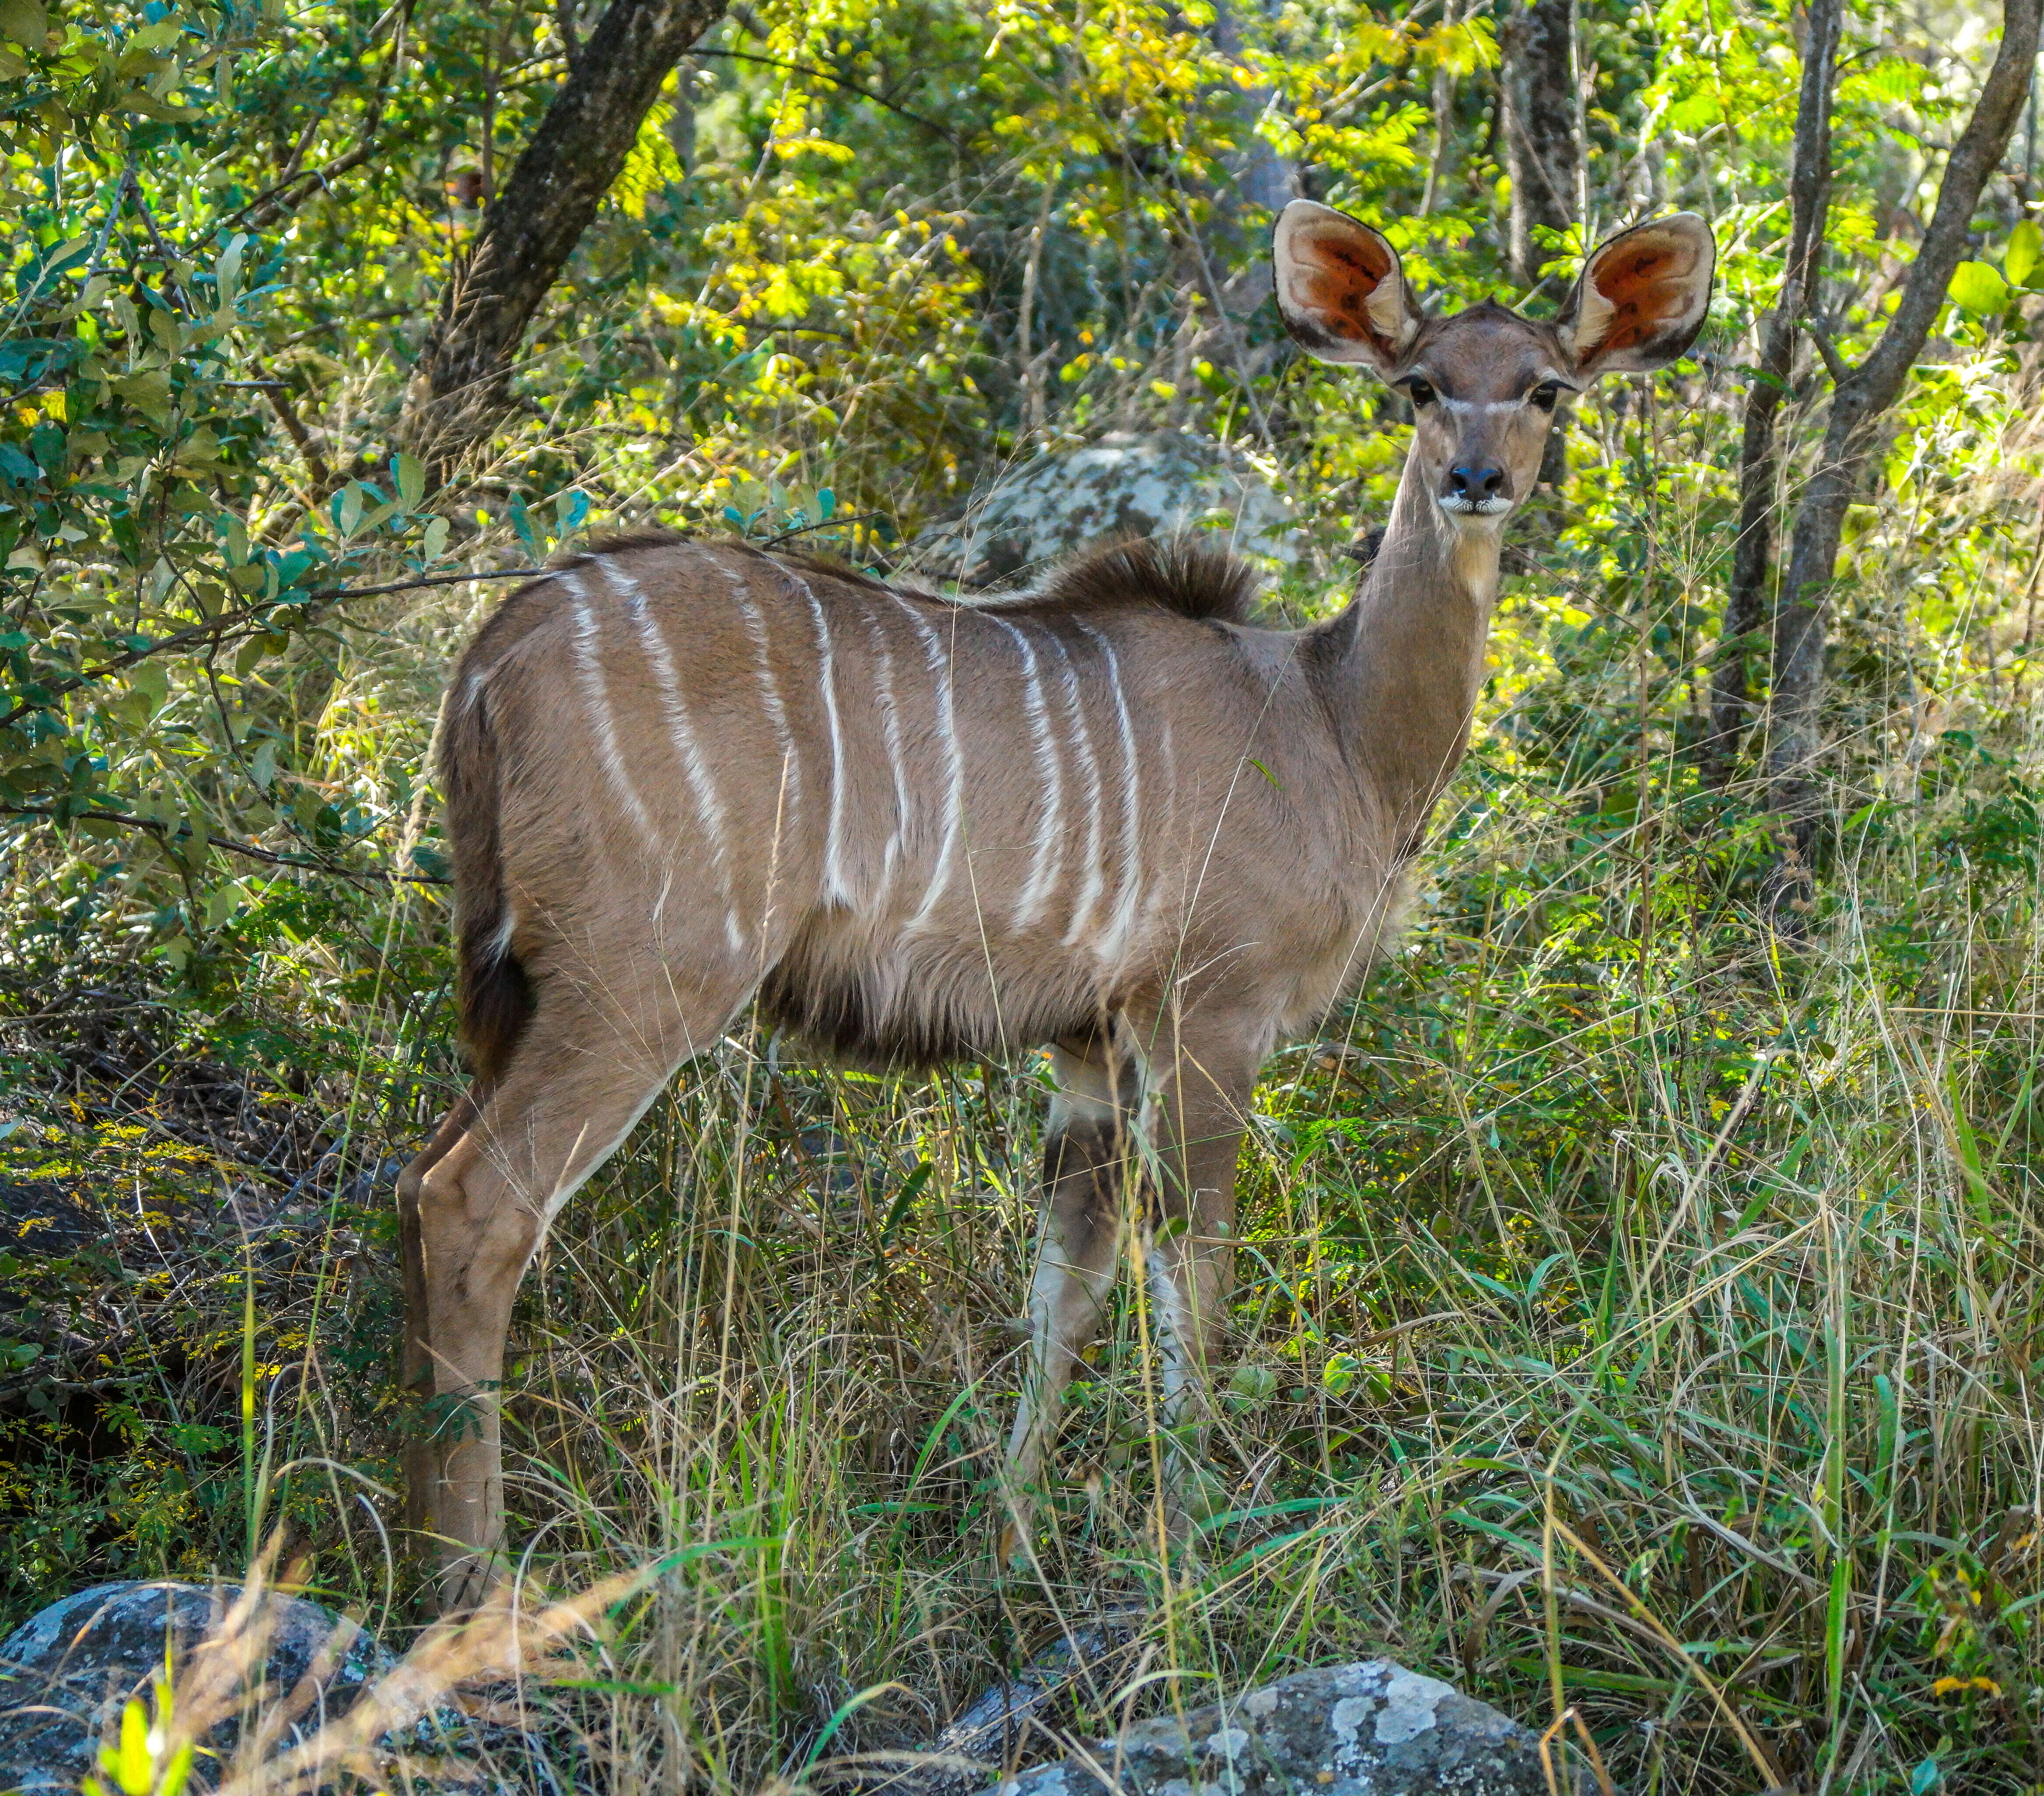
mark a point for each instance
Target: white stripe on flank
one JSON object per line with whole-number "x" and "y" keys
{"x": 1050, "y": 857}
{"x": 1095, "y": 881}
{"x": 601, "y": 726}
{"x": 834, "y": 880}
{"x": 891, "y": 721}
{"x": 777, "y": 712}
{"x": 688, "y": 745}
{"x": 1167, "y": 830}
{"x": 933, "y": 649}
{"x": 1117, "y": 939}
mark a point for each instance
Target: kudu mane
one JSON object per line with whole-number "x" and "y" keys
{"x": 1178, "y": 573}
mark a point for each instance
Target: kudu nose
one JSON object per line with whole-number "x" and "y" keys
{"x": 1467, "y": 482}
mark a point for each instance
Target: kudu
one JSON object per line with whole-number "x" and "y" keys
{"x": 1111, "y": 816}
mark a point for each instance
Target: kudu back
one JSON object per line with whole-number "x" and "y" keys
{"x": 1113, "y": 816}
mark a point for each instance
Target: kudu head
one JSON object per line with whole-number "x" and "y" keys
{"x": 1484, "y": 382}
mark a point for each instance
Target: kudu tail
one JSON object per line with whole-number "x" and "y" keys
{"x": 496, "y": 996}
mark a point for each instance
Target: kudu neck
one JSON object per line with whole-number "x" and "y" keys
{"x": 1413, "y": 662}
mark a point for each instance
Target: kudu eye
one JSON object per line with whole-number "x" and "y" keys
{"x": 1545, "y": 394}
{"x": 1419, "y": 392}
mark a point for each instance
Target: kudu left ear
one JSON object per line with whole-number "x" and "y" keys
{"x": 1643, "y": 297}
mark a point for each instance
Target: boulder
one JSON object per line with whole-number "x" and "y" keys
{"x": 66, "y": 1673}
{"x": 1368, "y": 1729}
{"x": 1125, "y": 485}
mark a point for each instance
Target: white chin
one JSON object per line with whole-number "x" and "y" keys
{"x": 1473, "y": 511}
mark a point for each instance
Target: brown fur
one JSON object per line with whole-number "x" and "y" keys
{"x": 1112, "y": 815}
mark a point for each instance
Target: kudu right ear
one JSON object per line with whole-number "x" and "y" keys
{"x": 1341, "y": 290}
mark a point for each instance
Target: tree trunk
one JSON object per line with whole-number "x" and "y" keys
{"x": 1543, "y": 151}
{"x": 1261, "y": 177}
{"x": 1809, "y": 198}
{"x": 461, "y": 388}
{"x": 1861, "y": 396}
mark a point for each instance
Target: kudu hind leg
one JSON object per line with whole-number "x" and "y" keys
{"x": 416, "y": 1371}
{"x": 1085, "y": 1151}
{"x": 582, "y": 1074}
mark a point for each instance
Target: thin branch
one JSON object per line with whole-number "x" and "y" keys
{"x": 1840, "y": 369}
{"x": 287, "y": 414}
{"x": 821, "y": 524}
{"x": 230, "y": 844}
{"x": 836, "y": 81}
{"x": 247, "y": 616}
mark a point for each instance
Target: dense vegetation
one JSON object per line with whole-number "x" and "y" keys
{"x": 1644, "y": 1273}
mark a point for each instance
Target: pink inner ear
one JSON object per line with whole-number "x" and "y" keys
{"x": 1646, "y": 283}
{"x": 1347, "y": 269}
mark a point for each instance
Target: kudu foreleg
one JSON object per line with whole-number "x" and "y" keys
{"x": 1087, "y": 1151}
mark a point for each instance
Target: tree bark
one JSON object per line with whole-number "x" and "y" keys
{"x": 1543, "y": 151}
{"x": 1861, "y": 397}
{"x": 1809, "y": 198}
{"x": 461, "y": 388}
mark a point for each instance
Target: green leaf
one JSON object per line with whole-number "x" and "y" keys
{"x": 24, "y": 22}
{"x": 2025, "y": 250}
{"x": 1977, "y": 287}
{"x": 149, "y": 391}
{"x": 227, "y": 271}
{"x": 177, "y": 1773}
{"x": 141, "y": 100}
{"x": 151, "y": 681}
{"x": 411, "y": 481}
{"x": 521, "y": 522}
{"x": 1258, "y": 1383}
{"x": 133, "y": 1764}
{"x": 899, "y": 1208}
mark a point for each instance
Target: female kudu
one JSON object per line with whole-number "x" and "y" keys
{"x": 1111, "y": 815}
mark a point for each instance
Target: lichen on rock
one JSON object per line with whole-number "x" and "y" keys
{"x": 1127, "y": 484}
{"x": 1373, "y": 1729}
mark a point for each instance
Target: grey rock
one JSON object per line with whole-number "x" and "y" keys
{"x": 988, "y": 1728}
{"x": 1126, "y": 485}
{"x": 66, "y": 1673}
{"x": 1369, "y": 1729}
